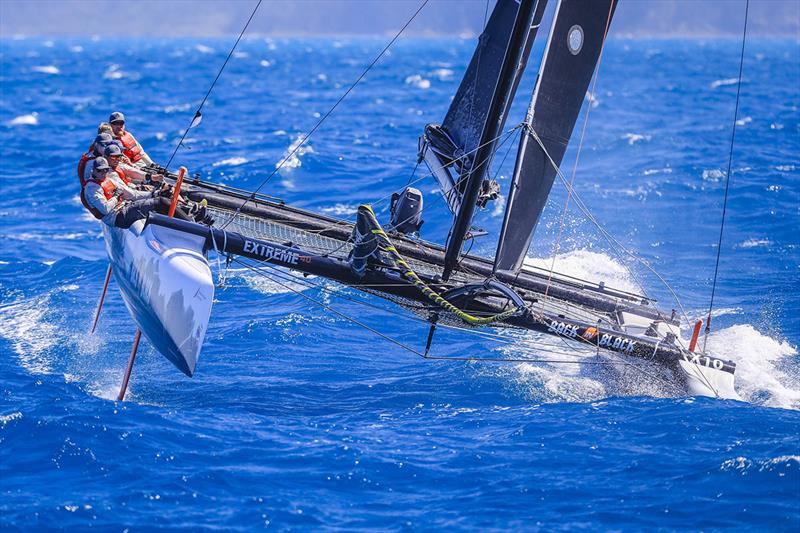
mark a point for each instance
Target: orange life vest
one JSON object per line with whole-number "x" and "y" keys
{"x": 130, "y": 147}
{"x": 85, "y": 158}
{"x": 122, "y": 175}
{"x": 108, "y": 191}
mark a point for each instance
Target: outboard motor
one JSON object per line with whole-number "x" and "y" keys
{"x": 406, "y": 211}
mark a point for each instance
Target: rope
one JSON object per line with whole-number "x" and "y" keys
{"x": 197, "y": 113}
{"x": 727, "y": 180}
{"x": 330, "y": 111}
{"x": 386, "y": 245}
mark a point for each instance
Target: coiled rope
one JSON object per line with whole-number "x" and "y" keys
{"x": 385, "y": 245}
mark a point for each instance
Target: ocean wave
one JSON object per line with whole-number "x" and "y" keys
{"x": 418, "y": 81}
{"x": 231, "y": 161}
{"x": 341, "y": 209}
{"x": 651, "y": 171}
{"x": 46, "y": 69}
{"x": 291, "y": 157}
{"x": 443, "y": 74}
{"x": 764, "y": 374}
{"x": 714, "y": 174}
{"x": 177, "y": 108}
{"x": 634, "y": 138}
{"x": 31, "y": 119}
{"x": 590, "y": 266}
{"x": 754, "y": 243}
{"x": 723, "y": 83}
{"x": 743, "y": 464}
{"x": 203, "y": 49}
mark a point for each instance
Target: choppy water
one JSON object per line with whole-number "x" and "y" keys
{"x": 298, "y": 419}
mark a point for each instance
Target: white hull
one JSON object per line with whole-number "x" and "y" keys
{"x": 167, "y": 286}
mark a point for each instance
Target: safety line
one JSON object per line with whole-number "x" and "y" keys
{"x": 197, "y": 113}
{"x": 727, "y": 180}
{"x": 328, "y": 113}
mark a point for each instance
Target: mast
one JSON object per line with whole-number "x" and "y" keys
{"x": 570, "y": 57}
{"x": 472, "y": 176}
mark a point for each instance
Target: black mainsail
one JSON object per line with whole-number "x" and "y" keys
{"x": 478, "y": 112}
{"x": 573, "y": 49}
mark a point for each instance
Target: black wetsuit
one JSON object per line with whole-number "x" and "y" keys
{"x": 138, "y": 209}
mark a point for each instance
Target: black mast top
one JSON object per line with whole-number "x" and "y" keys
{"x": 513, "y": 59}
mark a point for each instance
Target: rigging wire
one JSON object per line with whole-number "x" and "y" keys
{"x": 330, "y": 111}
{"x": 495, "y": 337}
{"x": 727, "y": 179}
{"x": 402, "y": 344}
{"x": 197, "y": 114}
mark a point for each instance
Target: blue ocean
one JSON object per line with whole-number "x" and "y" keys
{"x": 299, "y": 419}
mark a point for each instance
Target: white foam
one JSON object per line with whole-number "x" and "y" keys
{"x": 590, "y": 266}
{"x": 713, "y": 174}
{"x": 418, "y": 81}
{"x": 265, "y": 285}
{"x": 744, "y": 121}
{"x": 5, "y": 419}
{"x": 443, "y": 74}
{"x": 113, "y": 72}
{"x": 265, "y": 63}
{"x": 31, "y": 119}
{"x": 634, "y": 138}
{"x": 341, "y": 209}
{"x": 77, "y": 49}
{"x": 293, "y": 154}
{"x": 723, "y": 83}
{"x": 785, "y": 168}
{"x": 231, "y": 161}
{"x": 764, "y": 371}
{"x": 25, "y": 325}
{"x": 754, "y": 243}
{"x": 177, "y": 108}
{"x": 651, "y": 171}
{"x": 46, "y": 69}
{"x": 203, "y": 49}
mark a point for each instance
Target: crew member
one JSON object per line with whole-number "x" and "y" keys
{"x": 95, "y": 150}
{"x": 109, "y": 199}
{"x": 130, "y": 146}
{"x": 128, "y": 173}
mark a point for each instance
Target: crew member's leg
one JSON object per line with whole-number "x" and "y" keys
{"x": 138, "y": 209}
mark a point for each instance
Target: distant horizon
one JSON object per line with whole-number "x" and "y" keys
{"x": 350, "y": 18}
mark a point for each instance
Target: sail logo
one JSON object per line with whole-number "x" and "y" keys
{"x": 560, "y": 328}
{"x": 617, "y": 343}
{"x": 271, "y": 253}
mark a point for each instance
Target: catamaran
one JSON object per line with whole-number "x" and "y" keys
{"x": 162, "y": 264}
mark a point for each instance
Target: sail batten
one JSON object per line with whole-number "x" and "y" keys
{"x": 570, "y": 57}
